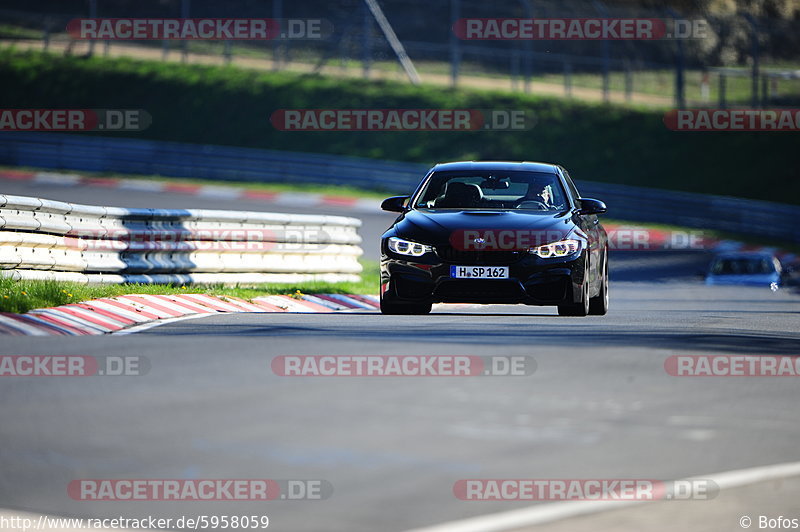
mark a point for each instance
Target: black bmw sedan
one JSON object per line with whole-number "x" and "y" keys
{"x": 495, "y": 233}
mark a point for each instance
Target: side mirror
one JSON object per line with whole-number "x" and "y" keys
{"x": 592, "y": 206}
{"x": 395, "y": 204}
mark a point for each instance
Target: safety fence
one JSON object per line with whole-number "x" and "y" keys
{"x": 44, "y": 239}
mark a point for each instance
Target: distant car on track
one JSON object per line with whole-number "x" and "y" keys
{"x": 495, "y": 232}
{"x": 745, "y": 268}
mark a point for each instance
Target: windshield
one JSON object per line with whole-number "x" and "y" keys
{"x": 743, "y": 266}
{"x": 530, "y": 191}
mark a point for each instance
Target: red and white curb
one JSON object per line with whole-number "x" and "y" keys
{"x": 286, "y": 199}
{"x": 122, "y": 313}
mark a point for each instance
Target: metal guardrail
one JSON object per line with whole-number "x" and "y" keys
{"x": 225, "y": 163}
{"x": 43, "y": 239}
{"x": 761, "y": 219}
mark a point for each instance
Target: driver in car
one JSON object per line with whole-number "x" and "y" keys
{"x": 537, "y": 193}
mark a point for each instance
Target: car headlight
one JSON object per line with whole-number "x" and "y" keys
{"x": 561, "y": 248}
{"x": 406, "y": 247}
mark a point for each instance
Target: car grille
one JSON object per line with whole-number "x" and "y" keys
{"x": 467, "y": 258}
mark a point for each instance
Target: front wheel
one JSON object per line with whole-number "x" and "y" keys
{"x": 598, "y": 306}
{"x": 577, "y": 309}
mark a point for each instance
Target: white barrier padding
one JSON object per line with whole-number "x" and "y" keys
{"x": 94, "y": 244}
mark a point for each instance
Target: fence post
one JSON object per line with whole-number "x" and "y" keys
{"x": 599, "y": 6}
{"x": 628, "y": 82}
{"x": 366, "y": 44}
{"x": 528, "y": 46}
{"x": 92, "y": 14}
{"x": 277, "y": 14}
{"x": 568, "y": 79}
{"x": 455, "y": 45}
{"x": 680, "y": 84}
{"x": 755, "y": 51}
{"x": 46, "y": 36}
{"x": 228, "y": 52}
{"x": 514, "y": 67}
{"x": 185, "y": 7}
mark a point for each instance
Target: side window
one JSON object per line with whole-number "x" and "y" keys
{"x": 571, "y": 185}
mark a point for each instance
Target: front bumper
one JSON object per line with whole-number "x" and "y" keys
{"x": 532, "y": 280}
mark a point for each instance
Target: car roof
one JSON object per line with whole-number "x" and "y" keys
{"x": 525, "y": 166}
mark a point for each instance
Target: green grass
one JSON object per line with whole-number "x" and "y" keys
{"x": 9, "y": 31}
{"x": 22, "y": 296}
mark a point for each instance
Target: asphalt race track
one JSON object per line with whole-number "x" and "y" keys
{"x": 600, "y": 404}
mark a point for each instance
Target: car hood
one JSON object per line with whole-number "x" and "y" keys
{"x": 435, "y": 227}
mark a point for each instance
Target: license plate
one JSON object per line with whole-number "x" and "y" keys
{"x": 479, "y": 272}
